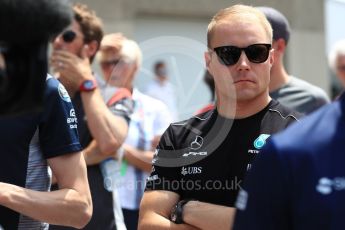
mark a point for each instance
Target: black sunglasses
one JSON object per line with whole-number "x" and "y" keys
{"x": 68, "y": 36}
{"x": 111, "y": 63}
{"x": 256, "y": 53}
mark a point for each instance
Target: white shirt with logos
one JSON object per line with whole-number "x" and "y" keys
{"x": 150, "y": 118}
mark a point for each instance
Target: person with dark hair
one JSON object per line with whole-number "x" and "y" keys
{"x": 22, "y": 85}
{"x": 200, "y": 163}
{"x": 102, "y": 127}
{"x": 161, "y": 88}
{"x": 34, "y": 138}
{"x": 292, "y": 92}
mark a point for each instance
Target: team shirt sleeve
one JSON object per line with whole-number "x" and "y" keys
{"x": 58, "y": 127}
{"x": 123, "y": 108}
{"x": 263, "y": 201}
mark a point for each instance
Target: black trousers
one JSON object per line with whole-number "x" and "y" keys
{"x": 131, "y": 218}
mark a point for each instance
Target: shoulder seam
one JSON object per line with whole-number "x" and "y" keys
{"x": 290, "y": 115}
{"x": 195, "y": 116}
{"x": 203, "y": 119}
{"x": 184, "y": 123}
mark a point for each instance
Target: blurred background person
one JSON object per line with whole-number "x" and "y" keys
{"x": 102, "y": 130}
{"x": 209, "y": 81}
{"x": 162, "y": 89}
{"x": 293, "y": 92}
{"x": 336, "y": 61}
{"x": 120, "y": 60}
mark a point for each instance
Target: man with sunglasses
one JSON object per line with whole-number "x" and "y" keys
{"x": 292, "y": 92}
{"x": 101, "y": 131}
{"x": 200, "y": 163}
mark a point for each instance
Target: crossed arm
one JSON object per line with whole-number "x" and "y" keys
{"x": 71, "y": 205}
{"x": 156, "y": 206}
{"x": 138, "y": 158}
{"x": 107, "y": 129}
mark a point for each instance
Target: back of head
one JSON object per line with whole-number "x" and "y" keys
{"x": 26, "y": 27}
{"x": 26, "y": 21}
{"x": 240, "y": 13}
{"x": 279, "y": 23}
{"x": 338, "y": 49}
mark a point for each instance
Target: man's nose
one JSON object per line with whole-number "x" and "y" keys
{"x": 243, "y": 62}
{"x": 57, "y": 42}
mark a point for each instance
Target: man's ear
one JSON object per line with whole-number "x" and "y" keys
{"x": 207, "y": 57}
{"x": 279, "y": 45}
{"x": 92, "y": 48}
{"x": 272, "y": 56}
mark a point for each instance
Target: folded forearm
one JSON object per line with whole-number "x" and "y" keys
{"x": 208, "y": 216}
{"x": 139, "y": 159}
{"x": 158, "y": 222}
{"x": 62, "y": 207}
{"x": 93, "y": 154}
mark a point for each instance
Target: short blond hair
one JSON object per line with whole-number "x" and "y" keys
{"x": 131, "y": 50}
{"x": 118, "y": 43}
{"x": 239, "y": 11}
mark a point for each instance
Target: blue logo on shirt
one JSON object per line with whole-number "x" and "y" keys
{"x": 261, "y": 141}
{"x": 63, "y": 93}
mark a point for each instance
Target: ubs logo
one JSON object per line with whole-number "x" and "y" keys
{"x": 191, "y": 170}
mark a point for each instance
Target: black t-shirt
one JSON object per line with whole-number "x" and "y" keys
{"x": 207, "y": 156}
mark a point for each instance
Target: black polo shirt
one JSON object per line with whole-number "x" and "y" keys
{"x": 207, "y": 156}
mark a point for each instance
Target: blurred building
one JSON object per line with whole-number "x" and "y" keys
{"x": 175, "y": 31}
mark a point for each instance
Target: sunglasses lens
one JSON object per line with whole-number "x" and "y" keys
{"x": 257, "y": 53}
{"x": 228, "y": 55}
{"x": 68, "y": 36}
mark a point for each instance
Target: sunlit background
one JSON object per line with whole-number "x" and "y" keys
{"x": 175, "y": 31}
